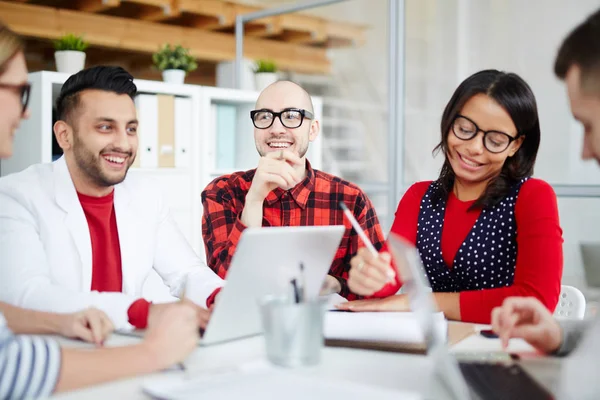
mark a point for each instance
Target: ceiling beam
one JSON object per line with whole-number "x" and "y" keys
{"x": 154, "y": 14}
{"x": 128, "y": 34}
{"x": 222, "y": 11}
{"x": 94, "y": 6}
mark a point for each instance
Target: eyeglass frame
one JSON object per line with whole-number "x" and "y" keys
{"x": 303, "y": 114}
{"x": 485, "y": 133}
{"x": 23, "y": 89}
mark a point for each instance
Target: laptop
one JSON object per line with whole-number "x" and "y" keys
{"x": 265, "y": 262}
{"x": 465, "y": 379}
{"x": 590, "y": 254}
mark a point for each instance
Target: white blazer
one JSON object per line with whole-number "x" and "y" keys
{"x": 46, "y": 252}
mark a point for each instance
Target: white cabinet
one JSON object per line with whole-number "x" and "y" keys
{"x": 195, "y": 134}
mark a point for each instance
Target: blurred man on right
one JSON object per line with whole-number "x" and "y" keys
{"x": 578, "y": 64}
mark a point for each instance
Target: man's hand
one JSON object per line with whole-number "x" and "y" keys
{"x": 172, "y": 333}
{"x": 91, "y": 325}
{"x": 202, "y": 314}
{"x": 276, "y": 169}
{"x": 369, "y": 274}
{"x": 281, "y": 169}
{"x": 527, "y": 318}
{"x": 398, "y": 302}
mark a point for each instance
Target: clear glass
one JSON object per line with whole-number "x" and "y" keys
{"x": 293, "y": 331}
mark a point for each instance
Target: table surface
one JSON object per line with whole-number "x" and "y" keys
{"x": 409, "y": 372}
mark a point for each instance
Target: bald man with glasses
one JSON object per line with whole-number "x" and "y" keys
{"x": 284, "y": 190}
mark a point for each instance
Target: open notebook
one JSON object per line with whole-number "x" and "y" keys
{"x": 392, "y": 331}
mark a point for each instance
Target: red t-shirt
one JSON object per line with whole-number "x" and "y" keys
{"x": 107, "y": 273}
{"x": 538, "y": 270}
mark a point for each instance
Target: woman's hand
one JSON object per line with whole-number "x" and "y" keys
{"x": 368, "y": 273}
{"x": 398, "y": 302}
{"x": 90, "y": 325}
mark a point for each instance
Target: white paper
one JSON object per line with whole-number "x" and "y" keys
{"x": 265, "y": 383}
{"x": 399, "y": 327}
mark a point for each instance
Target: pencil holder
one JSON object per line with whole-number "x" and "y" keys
{"x": 293, "y": 331}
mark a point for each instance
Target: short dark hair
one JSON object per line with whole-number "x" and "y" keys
{"x": 107, "y": 78}
{"x": 582, "y": 48}
{"x": 513, "y": 94}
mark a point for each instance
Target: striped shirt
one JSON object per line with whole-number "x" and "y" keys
{"x": 29, "y": 365}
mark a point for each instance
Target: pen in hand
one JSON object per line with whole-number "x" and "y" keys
{"x": 361, "y": 233}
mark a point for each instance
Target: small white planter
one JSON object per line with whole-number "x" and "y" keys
{"x": 69, "y": 61}
{"x": 264, "y": 79}
{"x": 176, "y": 76}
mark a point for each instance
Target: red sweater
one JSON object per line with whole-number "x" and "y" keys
{"x": 538, "y": 270}
{"x": 107, "y": 275}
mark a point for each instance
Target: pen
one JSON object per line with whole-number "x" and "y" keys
{"x": 302, "y": 283}
{"x": 362, "y": 235}
{"x": 294, "y": 283}
{"x": 358, "y": 229}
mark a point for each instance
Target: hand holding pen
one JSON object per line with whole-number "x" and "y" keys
{"x": 370, "y": 271}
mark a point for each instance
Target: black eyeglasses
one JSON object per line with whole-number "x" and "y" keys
{"x": 493, "y": 141}
{"x": 290, "y": 117}
{"x": 23, "y": 91}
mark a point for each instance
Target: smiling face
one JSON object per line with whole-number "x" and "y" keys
{"x": 471, "y": 162}
{"x": 277, "y": 97}
{"x": 100, "y": 139}
{"x": 11, "y": 109}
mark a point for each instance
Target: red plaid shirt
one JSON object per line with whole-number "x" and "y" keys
{"x": 314, "y": 201}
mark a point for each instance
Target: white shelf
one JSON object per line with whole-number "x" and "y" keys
{"x": 182, "y": 185}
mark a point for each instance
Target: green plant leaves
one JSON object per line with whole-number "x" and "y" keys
{"x": 71, "y": 42}
{"x": 174, "y": 57}
{"x": 265, "y": 66}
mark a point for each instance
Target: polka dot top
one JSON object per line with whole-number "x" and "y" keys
{"x": 530, "y": 241}
{"x": 486, "y": 258}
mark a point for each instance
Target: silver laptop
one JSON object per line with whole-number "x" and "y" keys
{"x": 590, "y": 255}
{"x": 264, "y": 263}
{"x": 465, "y": 379}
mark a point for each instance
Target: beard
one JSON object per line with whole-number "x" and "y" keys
{"x": 91, "y": 164}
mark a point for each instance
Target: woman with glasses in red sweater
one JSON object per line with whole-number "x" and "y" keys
{"x": 485, "y": 229}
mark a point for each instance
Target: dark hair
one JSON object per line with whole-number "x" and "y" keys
{"x": 514, "y": 95}
{"x": 582, "y": 48}
{"x": 110, "y": 79}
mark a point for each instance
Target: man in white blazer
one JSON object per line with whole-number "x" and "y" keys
{"x": 77, "y": 233}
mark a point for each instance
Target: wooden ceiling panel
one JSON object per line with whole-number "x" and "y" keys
{"x": 296, "y": 42}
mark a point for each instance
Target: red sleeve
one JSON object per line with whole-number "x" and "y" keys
{"x": 221, "y": 226}
{"x": 138, "y": 313}
{"x": 405, "y": 225}
{"x": 539, "y": 256}
{"x": 211, "y": 299}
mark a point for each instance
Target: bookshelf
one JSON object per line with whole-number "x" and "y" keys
{"x": 203, "y": 147}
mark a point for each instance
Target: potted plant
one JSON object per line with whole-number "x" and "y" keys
{"x": 265, "y": 73}
{"x": 174, "y": 62}
{"x": 69, "y": 53}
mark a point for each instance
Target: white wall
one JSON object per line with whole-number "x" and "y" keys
{"x": 447, "y": 40}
